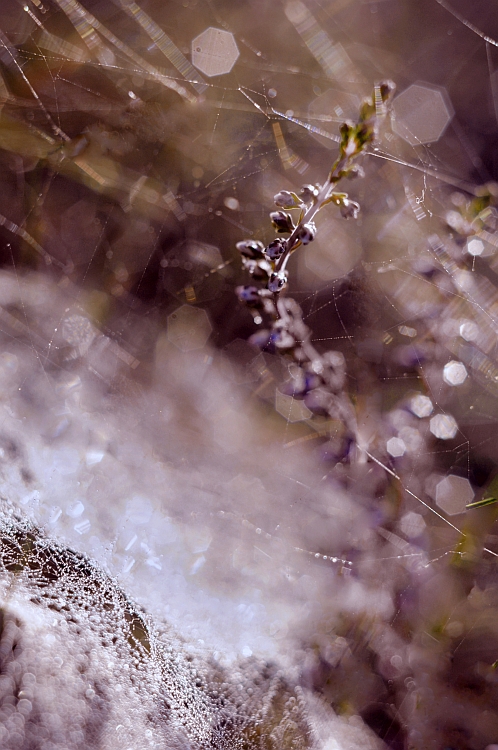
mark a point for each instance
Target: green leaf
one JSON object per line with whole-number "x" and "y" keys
{"x": 336, "y": 198}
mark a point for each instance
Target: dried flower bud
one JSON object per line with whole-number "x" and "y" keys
{"x": 277, "y": 281}
{"x": 251, "y": 249}
{"x": 260, "y": 270}
{"x": 275, "y": 249}
{"x": 307, "y": 233}
{"x": 312, "y": 380}
{"x": 301, "y": 383}
{"x": 285, "y": 199}
{"x": 249, "y": 295}
{"x": 349, "y": 209}
{"x": 281, "y": 221}
{"x": 334, "y": 372}
{"x": 308, "y": 192}
{"x": 282, "y": 339}
{"x": 260, "y": 338}
{"x": 334, "y": 359}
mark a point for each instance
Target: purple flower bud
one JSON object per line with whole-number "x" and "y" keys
{"x": 334, "y": 372}
{"x": 282, "y": 339}
{"x": 349, "y": 209}
{"x": 248, "y": 294}
{"x": 308, "y": 192}
{"x": 291, "y": 389}
{"x": 277, "y": 281}
{"x": 259, "y": 269}
{"x": 335, "y": 360}
{"x": 285, "y": 199}
{"x": 337, "y": 450}
{"x": 312, "y": 380}
{"x": 282, "y": 221}
{"x": 275, "y": 249}
{"x": 301, "y": 382}
{"x": 307, "y": 233}
{"x": 260, "y": 338}
{"x": 252, "y": 249}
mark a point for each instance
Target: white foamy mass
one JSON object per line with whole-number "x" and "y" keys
{"x": 167, "y": 562}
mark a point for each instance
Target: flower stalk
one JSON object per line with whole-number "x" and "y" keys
{"x": 269, "y": 264}
{"x": 318, "y": 379}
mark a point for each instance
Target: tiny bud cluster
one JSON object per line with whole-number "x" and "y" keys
{"x": 316, "y": 378}
{"x": 309, "y": 192}
{"x": 253, "y": 249}
{"x": 267, "y": 264}
{"x": 275, "y": 249}
{"x": 277, "y": 281}
{"x": 284, "y": 199}
{"x": 306, "y": 233}
{"x": 281, "y": 221}
{"x": 349, "y": 209}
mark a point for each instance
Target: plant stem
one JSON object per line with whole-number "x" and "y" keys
{"x": 293, "y": 241}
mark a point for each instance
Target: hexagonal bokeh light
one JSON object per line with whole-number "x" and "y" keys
{"x": 453, "y": 493}
{"x": 443, "y": 426}
{"x": 214, "y": 52}
{"x": 421, "y": 406}
{"x": 189, "y": 328}
{"x": 396, "y": 447}
{"x": 412, "y": 524}
{"x": 454, "y": 373}
{"x": 469, "y": 330}
{"x": 421, "y": 114}
{"x": 475, "y": 246}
